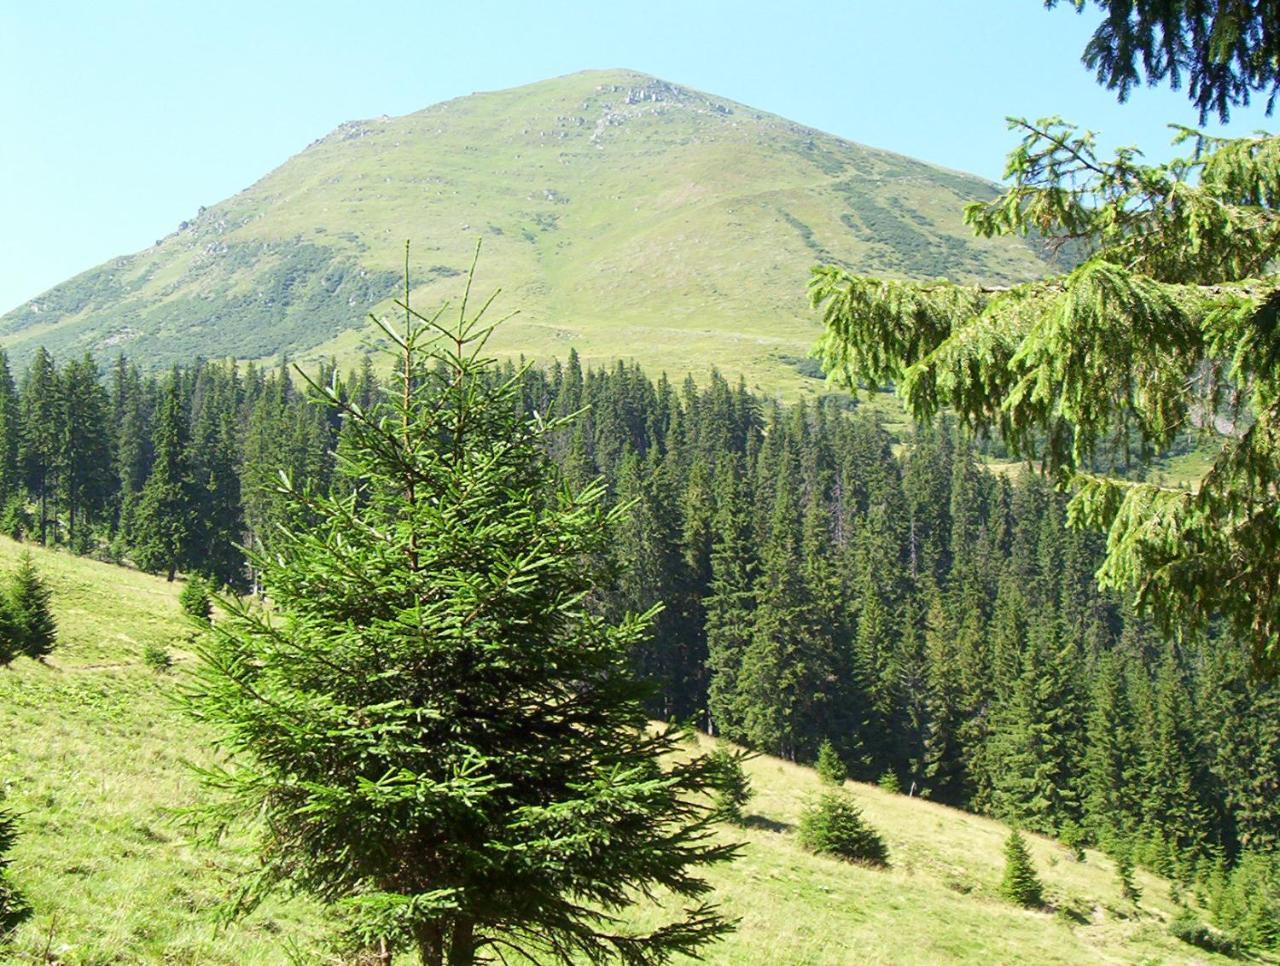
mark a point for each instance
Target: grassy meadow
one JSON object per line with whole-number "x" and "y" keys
{"x": 93, "y": 754}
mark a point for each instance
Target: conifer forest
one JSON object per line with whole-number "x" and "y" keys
{"x": 821, "y": 580}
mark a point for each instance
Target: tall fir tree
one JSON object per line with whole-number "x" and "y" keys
{"x": 86, "y": 480}
{"x": 787, "y": 681}
{"x": 163, "y": 525}
{"x": 730, "y": 603}
{"x": 131, "y": 408}
{"x": 1246, "y": 747}
{"x": 1176, "y": 819}
{"x": 1112, "y": 763}
{"x": 218, "y": 528}
{"x": 649, "y": 567}
{"x": 10, "y": 434}
{"x": 40, "y": 442}
{"x": 944, "y": 775}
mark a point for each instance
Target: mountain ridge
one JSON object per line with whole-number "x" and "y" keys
{"x": 626, "y": 216}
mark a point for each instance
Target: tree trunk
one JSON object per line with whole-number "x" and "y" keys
{"x": 462, "y": 950}
{"x": 430, "y": 945}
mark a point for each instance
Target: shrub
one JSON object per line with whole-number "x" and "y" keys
{"x": 889, "y": 782}
{"x": 1020, "y": 885}
{"x": 831, "y": 767}
{"x": 833, "y": 825}
{"x": 733, "y": 789}
{"x": 195, "y": 600}
{"x": 157, "y": 658}
{"x": 1186, "y": 927}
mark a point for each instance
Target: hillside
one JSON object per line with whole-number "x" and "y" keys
{"x": 623, "y": 215}
{"x": 92, "y": 754}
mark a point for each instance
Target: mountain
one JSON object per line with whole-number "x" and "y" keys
{"x": 97, "y": 759}
{"x": 623, "y": 215}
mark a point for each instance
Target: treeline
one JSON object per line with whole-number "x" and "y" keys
{"x": 821, "y": 579}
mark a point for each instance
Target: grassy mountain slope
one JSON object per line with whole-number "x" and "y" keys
{"x": 92, "y": 752}
{"x": 624, "y": 215}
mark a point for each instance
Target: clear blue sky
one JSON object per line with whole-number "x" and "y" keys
{"x": 119, "y": 119}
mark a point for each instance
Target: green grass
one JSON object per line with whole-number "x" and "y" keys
{"x": 93, "y": 755}
{"x": 93, "y": 759}
{"x": 622, "y": 215}
{"x": 1185, "y": 470}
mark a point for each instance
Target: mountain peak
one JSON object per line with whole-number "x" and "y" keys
{"x": 624, "y": 215}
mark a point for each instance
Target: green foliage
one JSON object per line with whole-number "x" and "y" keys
{"x": 1174, "y": 296}
{"x": 889, "y": 782}
{"x": 10, "y": 642}
{"x": 1111, "y": 758}
{"x": 947, "y": 631}
{"x": 1034, "y": 751}
{"x": 86, "y": 478}
{"x": 1223, "y": 52}
{"x": 1124, "y": 873}
{"x": 1175, "y": 809}
{"x": 443, "y": 740}
{"x": 161, "y": 531}
{"x": 733, "y": 787}
{"x": 1246, "y": 746}
{"x": 790, "y": 683}
{"x": 831, "y": 767}
{"x": 832, "y": 824}
{"x": 731, "y": 602}
{"x": 1188, "y": 928}
{"x": 1248, "y": 906}
{"x": 40, "y": 435}
{"x": 195, "y": 599}
{"x": 1020, "y": 883}
{"x": 15, "y": 521}
{"x": 13, "y": 909}
{"x": 1074, "y": 838}
{"x": 157, "y": 657}
{"x": 35, "y": 630}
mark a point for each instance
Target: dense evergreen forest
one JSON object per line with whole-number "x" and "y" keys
{"x": 821, "y": 580}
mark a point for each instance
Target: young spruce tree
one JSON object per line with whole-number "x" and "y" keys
{"x": 28, "y": 613}
{"x": 441, "y": 738}
{"x": 1020, "y": 883}
{"x": 831, "y": 767}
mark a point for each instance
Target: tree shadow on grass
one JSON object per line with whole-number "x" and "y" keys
{"x": 766, "y": 824}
